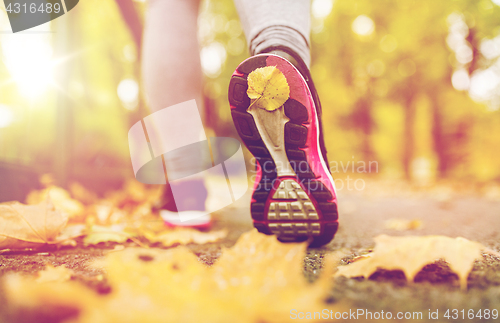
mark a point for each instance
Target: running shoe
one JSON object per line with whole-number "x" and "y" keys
{"x": 294, "y": 193}
{"x": 194, "y": 207}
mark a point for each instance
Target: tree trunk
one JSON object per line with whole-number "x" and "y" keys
{"x": 438, "y": 137}
{"x": 408, "y": 134}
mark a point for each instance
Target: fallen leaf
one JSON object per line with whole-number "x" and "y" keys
{"x": 60, "y": 198}
{"x": 54, "y": 274}
{"x": 134, "y": 195}
{"x": 103, "y": 211}
{"x": 140, "y": 193}
{"x": 403, "y": 224}
{"x": 268, "y": 87}
{"x": 113, "y": 233}
{"x": 69, "y": 233}
{"x": 257, "y": 280}
{"x": 410, "y": 254}
{"x": 72, "y": 231}
{"x": 107, "y": 213}
{"x": 62, "y": 299}
{"x": 24, "y": 226}
{"x": 187, "y": 235}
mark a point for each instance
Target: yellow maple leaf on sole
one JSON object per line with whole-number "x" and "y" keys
{"x": 268, "y": 87}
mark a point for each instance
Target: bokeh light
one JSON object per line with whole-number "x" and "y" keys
{"x": 213, "y": 57}
{"x": 407, "y": 67}
{"x": 460, "y": 80}
{"x": 490, "y": 48}
{"x": 388, "y": 43}
{"x": 128, "y": 92}
{"x": 363, "y": 25}
{"x": 321, "y": 8}
{"x": 484, "y": 84}
{"x": 28, "y": 58}
{"x": 6, "y": 116}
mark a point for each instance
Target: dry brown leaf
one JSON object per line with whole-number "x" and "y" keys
{"x": 410, "y": 254}
{"x": 54, "y": 274}
{"x": 187, "y": 235}
{"x": 24, "y": 226}
{"x": 60, "y": 198}
{"x": 257, "y": 280}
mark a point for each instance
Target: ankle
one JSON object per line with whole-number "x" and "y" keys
{"x": 292, "y": 57}
{"x": 189, "y": 195}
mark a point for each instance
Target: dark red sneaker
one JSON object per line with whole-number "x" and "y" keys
{"x": 294, "y": 193}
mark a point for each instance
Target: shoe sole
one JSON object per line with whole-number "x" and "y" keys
{"x": 294, "y": 193}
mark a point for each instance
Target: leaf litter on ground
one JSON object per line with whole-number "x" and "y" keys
{"x": 257, "y": 280}
{"x": 121, "y": 216}
{"x": 248, "y": 278}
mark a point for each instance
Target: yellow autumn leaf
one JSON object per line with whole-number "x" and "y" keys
{"x": 268, "y": 87}
{"x": 112, "y": 233}
{"x": 69, "y": 233}
{"x": 72, "y": 231}
{"x": 60, "y": 198}
{"x": 187, "y": 235}
{"x": 410, "y": 254}
{"x": 257, "y": 280}
{"x": 24, "y": 226}
{"x": 54, "y": 274}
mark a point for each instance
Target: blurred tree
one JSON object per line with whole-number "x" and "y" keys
{"x": 399, "y": 51}
{"x": 410, "y": 84}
